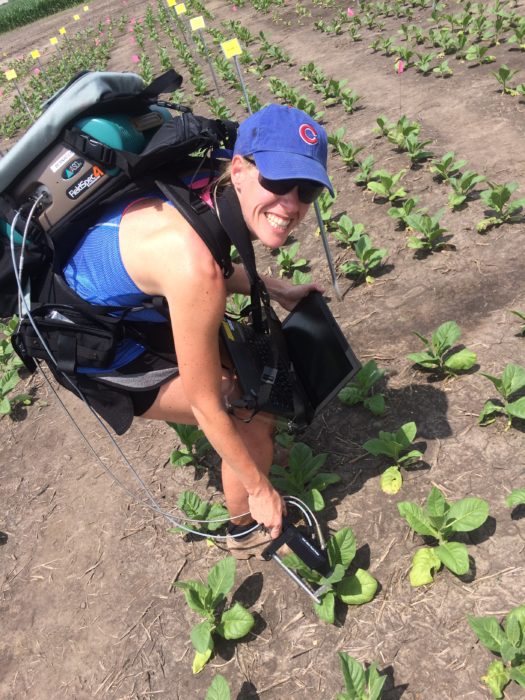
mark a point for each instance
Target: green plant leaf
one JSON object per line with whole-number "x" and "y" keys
{"x": 513, "y": 631}
{"x": 341, "y": 547}
{"x": 496, "y": 678}
{"x": 424, "y": 359}
{"x": 391, "y": 480}
{"x": 516, "y": 408}
{"x": 406, "y": 434}
{"x": 313, "y": 500}
{"x": 322, "y": 481}
{"x": 201, "y": 637}
{"x": 515, "y": 498}
{"x": 200, "y": 660}
{"x": 417, "y": 519}
{"x": 486, "y": 415}
{"x": 513, "y": 379}
{"x": 445, "y": 336}
{"x": 454, "y": 555}
{"x": 235, "y": 622}
{"x": 462, "y": 360}
{"x": 436, "y": 503}
{"x": 219, "y": 689}
{"x": 375, "y": 682}
{"x": 425, "y": 564}
{"x": 375, "y": 404}
{"x": 195, "y": 594}
{"x": 357, "y": 589}
{"x": 178, "y": 458}
{"x": 5, "y": 406}
{"x": 354, "y": 676}
{"x": 467, "y": 514}
{"x": 221, "y": 578}
{"x": 518, "y": 674}
{"x": 488, "y": 631}
{"x": 326, "y": 610}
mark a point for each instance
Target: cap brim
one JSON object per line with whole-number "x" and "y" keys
{"x": 291, "y": 166}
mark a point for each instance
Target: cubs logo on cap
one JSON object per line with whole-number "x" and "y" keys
{"x": 308, "y": 134}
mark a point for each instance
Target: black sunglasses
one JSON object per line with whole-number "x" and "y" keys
{"x": 307, "y": 190}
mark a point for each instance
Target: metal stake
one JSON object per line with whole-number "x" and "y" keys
{"x": 243, "y": 86}
{"x": 208, "y": 60}
{"x": 327, "y": 252}
{"x": 298, "y": 580}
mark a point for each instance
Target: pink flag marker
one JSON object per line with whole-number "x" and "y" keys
{"x": 135, "y": 58}
{"x": 399, "y": 66}
{"x": 350, "y": 12}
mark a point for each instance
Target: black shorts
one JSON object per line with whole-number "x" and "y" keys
{"x": 127, "y": 392}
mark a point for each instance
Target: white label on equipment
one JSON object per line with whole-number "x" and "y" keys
{"x": 64, "y": 158}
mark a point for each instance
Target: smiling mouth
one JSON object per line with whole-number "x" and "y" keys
{"x": 277, "y": 222}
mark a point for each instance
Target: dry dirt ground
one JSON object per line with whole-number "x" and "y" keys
{"x": 86, "y": 600}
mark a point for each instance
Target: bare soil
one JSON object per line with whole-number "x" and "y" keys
{"x": 86, "y": 600}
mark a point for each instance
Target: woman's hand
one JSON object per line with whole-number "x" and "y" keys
{"x": 267, "y": 508}
{"x": 291, "y": 294}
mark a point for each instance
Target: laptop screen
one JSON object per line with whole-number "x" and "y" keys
{"x": 321, "y": 355}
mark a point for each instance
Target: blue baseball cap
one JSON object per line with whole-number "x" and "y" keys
{"x": 286, "y": 144}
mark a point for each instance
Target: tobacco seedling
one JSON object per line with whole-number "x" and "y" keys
{"x": 397, "y": 447}
{"x": 360, "y": 388}
{"x": 325, "y": 202}
{"x": 503, "y": 75}
{"x": 478, "y": 54}
{"x": 515, "y": 498}
{"x": 368, "y": 258}
{"x": 429, "y": 229}
{"x": 403, "y": 212}
{"x": 463, "y": 187}
{"x": 447, "y": 167}
{"x": 440, "y": 355}
{"x": 441, "y": 520}
{"x": 286, "y": 259}
{"x": 443, "y": 70}
{"x": 508, "y": 642}
{"x": 194, "y": 445}
{"x": 361, "y": 683}
{"x": 219, "y": 688}
{"x": 521, "y": 316}
{"x": 348, "y": 233}
{"x": 193, "y": 507}
{"x": 498, "y": 199}
{"x": 384, "y": 185}
{"x": 300, "y": 277}
{"x": 356, "y": 589}
{"x": 209, "y": 601}
{"x": 346, "y": 150}
{"x": 424, "y": 63}
{"x": 10, "y": 363}
{"x": 364, "y": 175}
{"x": 416, "y": 149}
{"x": 303, "y": 477}
{"x": 511, "y": 382}
{"x": 349, "y": 99}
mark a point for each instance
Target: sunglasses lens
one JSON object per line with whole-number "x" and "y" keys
{"x": 308, "y": 191}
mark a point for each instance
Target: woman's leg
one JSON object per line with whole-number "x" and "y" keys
{"x": 172, "y": 405}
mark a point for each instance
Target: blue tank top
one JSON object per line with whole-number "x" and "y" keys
{"x": 95, "y": 271}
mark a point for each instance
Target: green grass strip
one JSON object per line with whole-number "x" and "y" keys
{"x": 17, "y": 13}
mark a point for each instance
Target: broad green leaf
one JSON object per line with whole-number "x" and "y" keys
{"x": 195, "y": 594}
{"x": 200, "y": 660}
{"x": 336, "y": 575}
{"x": 298, "y": 455}
{"x": 201, "y": 636}
{"x": 424, "y": 359}
{"x": 454, "y": 555}
{"x": 487, "y": 413}
{"x": 180, "y": 459}
{"x": 5, "y": 406}
{"x": 417, "y": 518}
{"x": 377, "y": 188}
{"x": 341, "y": 547}
{"x": 235, "y": 622}
{"x": 496, "y": 678}
{"x": 375, "y": 682}
{"x": 221, "y": 578}
{"x": 406, "y": 434}
{"x": 192, "y": 505}
{"x": 413, "y": 455}
{"x": 467, "y": 514}
{"x": 508, "y": 652}
{"x": 518, "y": 674}
{"x": 445, "y": 336}
{"x": 357, "y": 589}
{"x": 293, "y": 561}
{"x": 425, "y": 564}
{"x": 519, "y": 614}
{"x": 514, "y": 631}
{"x": 462, "y": 360}
{"x": 495, "y": 380}
{"x": 219, "y": 689}
{"x": 375, "y": 404}
{"x": 516, "y": 408}
{"x": 219, "y": 513}
{"x": 326, "y": 611}
{"x": 436, "y": 503}
{"x": 354, "y": 676}
{"x": 488, "y": 631}
{"x": 513, "y": 379}
{"x": 322, "y": 481}
{"x": 313, "y": 500}
{"x": 391, "y": 481}
{"x": 377, "y": 446}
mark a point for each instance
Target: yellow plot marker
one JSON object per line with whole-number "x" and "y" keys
{"x": 180, "y": 9}
{"x": 62, "y": 30}
{"x": 11, "y": 75}
{"x": 197, "y": 25}
{"x": 232, "y": 49}
{"x": 76, "y": 17}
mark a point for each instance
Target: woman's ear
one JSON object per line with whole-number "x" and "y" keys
{"x": 238, "y": 169}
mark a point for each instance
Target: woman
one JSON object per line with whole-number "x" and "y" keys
{"x": 277, "y": 171}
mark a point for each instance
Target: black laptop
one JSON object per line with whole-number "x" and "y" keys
{"x": 321, "y": 356}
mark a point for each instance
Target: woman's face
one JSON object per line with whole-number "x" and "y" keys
{"x": 269, "y": 217}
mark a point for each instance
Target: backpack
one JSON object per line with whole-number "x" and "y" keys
{"x": 101, "y": 137}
